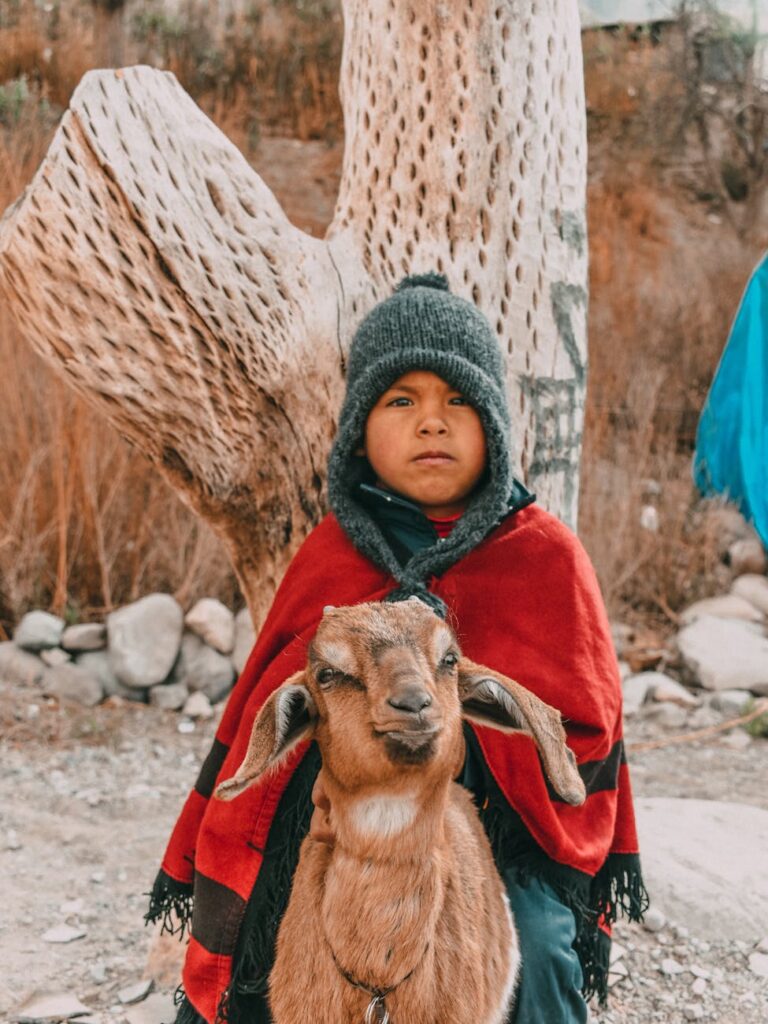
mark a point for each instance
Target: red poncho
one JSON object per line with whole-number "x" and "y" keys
{"x": 524, "y": 602}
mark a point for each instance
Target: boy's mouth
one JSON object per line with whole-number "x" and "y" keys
{"x": 434, "y": 458}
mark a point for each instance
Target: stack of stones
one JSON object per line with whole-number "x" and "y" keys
{"x": 148, "y": 651}
{"x": 717, "y": 663}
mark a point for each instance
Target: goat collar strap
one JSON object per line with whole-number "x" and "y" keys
{"x": 377, "y": 1012}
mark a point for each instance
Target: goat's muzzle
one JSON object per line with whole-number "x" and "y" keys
{"x": 410, "y": 739}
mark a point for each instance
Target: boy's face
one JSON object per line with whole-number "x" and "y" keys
{"x": 424, "y": 441}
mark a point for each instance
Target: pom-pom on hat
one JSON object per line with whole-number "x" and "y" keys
{"x": 422, "y": 326}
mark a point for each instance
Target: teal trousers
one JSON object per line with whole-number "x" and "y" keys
{"x": 549, "y": 989}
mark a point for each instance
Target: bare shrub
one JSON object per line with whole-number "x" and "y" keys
{"x": 662, "y": 303}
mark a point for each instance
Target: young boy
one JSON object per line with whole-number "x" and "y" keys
{"x": 424, "y": 502}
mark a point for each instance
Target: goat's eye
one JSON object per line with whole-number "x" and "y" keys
{"x": 450, "y": 660}
{"x": 325, "y": 676}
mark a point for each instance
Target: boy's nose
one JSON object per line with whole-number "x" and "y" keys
{"x": 432, "y": 425}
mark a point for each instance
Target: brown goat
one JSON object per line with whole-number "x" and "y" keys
{"x": 397, "y": 911}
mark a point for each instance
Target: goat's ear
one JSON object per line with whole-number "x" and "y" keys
{"x": 287, "y": 718}
{"x": 489, "y": 698}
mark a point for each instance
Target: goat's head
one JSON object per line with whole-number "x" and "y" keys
{"x": 384, "y": 692}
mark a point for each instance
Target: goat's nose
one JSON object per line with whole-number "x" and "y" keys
{"x": 412, "y": 699}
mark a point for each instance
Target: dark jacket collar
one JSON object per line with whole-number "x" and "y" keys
{"x": 406, "y": 528}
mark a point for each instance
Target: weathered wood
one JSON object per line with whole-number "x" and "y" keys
{"x": 150, "y": 264}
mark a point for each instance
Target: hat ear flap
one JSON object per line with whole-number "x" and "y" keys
{"x": 287, "y": 718}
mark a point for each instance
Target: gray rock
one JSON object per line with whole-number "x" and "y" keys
{"x": 704, "y": 862}
{"x": 747, "y": 556}
{"x": 636, "y": 691}
{"x": 85, "y": 636}
{"x": 245, "y": 638}
{"x": 693, "y": 1011}
{"x": 670, "y": 966}
{"x": 198, "y": 706}
{"x": 758, "y": 964}
{"x": 214, "y": 623}
{"x": 143, "y": 640}
{"x": 135, "y": 993}
{"x": 38, "y": 630}
{"x": 726, "y": 606}
{"x": 725, "y": 654}
{"x": 72, "y": 682}
{"x": 97, "y": 973}
{"x": 703, "y": 718}
{"x": 730, "y": 702}
{"x": 668, "y": 716}
{"x": 63, "y": 933}
{"x": 654, "y": 920}
{"x": 737, "y": 740}
{"x": 53, "y": 1006}
{"x": 20, "y": 668}
{"x": 156, "y": 1008}
{"x": 53, "y": 656}
{"x": 201, "y": 668}
{"x": 97, "y": 664}
{"x": 665, "y": 690}
{"x": 12, "y": 841}
{"x": 168, "y": 696}
{"x": 753, "y": 588}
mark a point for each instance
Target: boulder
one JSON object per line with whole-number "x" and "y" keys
{"x": 143, "y": 640}
{"x": 725, "y": 654}
{"x": 753, "y": 588}
{"x": 214, "y": 623}
{"x": 665, "y": 690}
{"x": 201, "y": 668}
{"x": 38, "y": 630}
{"x": 168, "y": 696}
{"x": 97, "y": 664}
{"x": 636, "y": 691}
{"x": 20, "y": 668}
{"x": 704, "y": 865}
{"x": 198, "y": 706}
{"x": 85, "y": 636}
{"x": 730, "y": 702}
{"x": 747, "y": 556}
{"x": 53, "y": 656}
{"x": 668, "y": 716}
{"x": 727, "y": 606}
{"x": 72, "y": 682}
{"x": 245, "y": 638}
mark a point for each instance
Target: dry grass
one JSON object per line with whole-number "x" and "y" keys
{"x": 663, "y": 294}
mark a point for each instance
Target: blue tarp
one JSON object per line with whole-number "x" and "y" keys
{"x": 732, "y": 440}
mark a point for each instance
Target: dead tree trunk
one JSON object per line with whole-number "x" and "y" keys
{"x": 151, "y": 266}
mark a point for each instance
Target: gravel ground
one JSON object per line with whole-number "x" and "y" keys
{"x": 87, "y": 800}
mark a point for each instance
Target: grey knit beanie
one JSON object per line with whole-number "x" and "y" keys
{"x": 422, "y": 326}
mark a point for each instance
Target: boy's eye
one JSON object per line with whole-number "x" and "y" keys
{"x": 459, "y": 400}
{"x": 399, "y": 402}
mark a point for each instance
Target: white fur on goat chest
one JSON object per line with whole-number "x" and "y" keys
{"x": 444, "y": 916}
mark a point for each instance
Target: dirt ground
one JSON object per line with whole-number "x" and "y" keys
{"x": 87, "y": 800}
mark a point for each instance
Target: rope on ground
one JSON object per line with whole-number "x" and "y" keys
{"x": 760, "y": 708}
